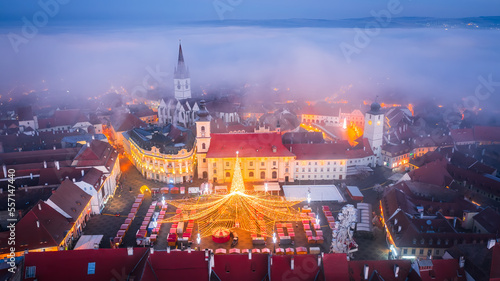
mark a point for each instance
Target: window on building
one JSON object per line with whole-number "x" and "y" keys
{"x": 328, "y": 169}
{"x": 274, "y": 175}
{"x": 302, "y": 176}
{"x": 250, "y": 163}
{"x": 405, "y": 251}
{"x": 413, "y": 251}
{"x": 228, "y": 174}
{"x": 203, "y": 128}
{"x": 315, "y": 169}
{"x": 215, "y": 172}
{"x": 303, "y": 170}
{"x": 429, "y": 252}
{"x": 215, "y": 165}
{"x": 91, "y": 268}
{"x": 262, "y": 175}
{"x": 262, "y": 164}
{"x": 204, "y": 160}
{"x": 297, "y": 170}
{"x": 309, "y": 170}
{"x": 30, "y": 272}
{"x": 227, "y": 164}
{"x": 274, "y": 163}
{"x": 250, "y": 174}
{"x": 437, "y": 252}
{"x": 421, "y": 252}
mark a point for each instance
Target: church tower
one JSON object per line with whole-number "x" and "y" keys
{"x": 202, "y": 140}
{"x": 182, "y": 82}
{"x": 374, "y": 131}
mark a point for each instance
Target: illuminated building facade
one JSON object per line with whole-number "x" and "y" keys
{"x": 165, "y": 154}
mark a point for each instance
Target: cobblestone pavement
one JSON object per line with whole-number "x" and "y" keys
{"x": 108, "y": 224}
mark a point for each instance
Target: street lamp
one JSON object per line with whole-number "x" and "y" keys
{"x": 309, "y": 197}
{"x": 274, "y": 241}
{"x": 265, "y": 187}
{"x": 163, "y": 200}
{"x": 317, "y": 219}
{"x": 198, "y": 239}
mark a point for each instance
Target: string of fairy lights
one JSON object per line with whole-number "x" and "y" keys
{"x": 250, "y": 211}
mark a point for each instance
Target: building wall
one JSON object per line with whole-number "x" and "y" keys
{"x": 320, "y": 169}
{"x": 156, "y": 166}
{"x": 374, "y": 132}
{"x": 273, "y": 169}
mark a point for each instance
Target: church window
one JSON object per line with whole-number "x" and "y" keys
{"x": 178, "y": 85}
{"x": 203, "y": 146}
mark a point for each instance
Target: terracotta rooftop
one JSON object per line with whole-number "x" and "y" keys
{"x": 248, "y": 145}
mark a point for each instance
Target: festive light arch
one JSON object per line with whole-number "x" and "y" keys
{"x": 250, "y": 211}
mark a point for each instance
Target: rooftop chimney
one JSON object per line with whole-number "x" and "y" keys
{"x": 365, "y": 271}
{"x": 396, "y": 270}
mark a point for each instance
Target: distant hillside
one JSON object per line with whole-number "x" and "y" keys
{"x": 400, "y": 22}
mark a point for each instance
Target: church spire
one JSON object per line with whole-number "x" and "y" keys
{"x": 180, "y": 60}
{"x": 181, "y": 71}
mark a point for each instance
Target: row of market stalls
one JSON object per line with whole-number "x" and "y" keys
{"x": 118, "y": 239}
{"x": 150, "y": 228}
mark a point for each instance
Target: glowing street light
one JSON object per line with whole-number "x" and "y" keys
{"x": 162, "y": 200}
{"x": 265, "y": 187}
{"x": 317, "y": 219}
{"x": 274, "y": 237}
{"x": 309, "y": 197}
{"x": 198, "y": 239}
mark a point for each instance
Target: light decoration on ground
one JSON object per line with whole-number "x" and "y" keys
{"x": 247, "y": 210}
{"x": 342, "y": 236}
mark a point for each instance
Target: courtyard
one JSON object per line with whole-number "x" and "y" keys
{"x": 117, "y": 208}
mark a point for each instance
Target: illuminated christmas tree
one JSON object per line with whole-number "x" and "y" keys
{"x": 250, "y": 211}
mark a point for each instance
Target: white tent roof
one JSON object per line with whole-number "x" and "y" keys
{"x": 87, "y": 242}
{"x": 271, "y": 186}
{"x": 318, "y": 192}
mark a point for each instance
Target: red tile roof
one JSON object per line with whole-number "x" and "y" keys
{"x": 495, "y": 261}
{"x": 50, "y": 233}
{"x": 24, "y": 113}
{"x": 248, "y": 145}
{"x": 383, "y": 268}
{"x": 487, "y": 134}
{"x": 462, "y": 135}
{"x": 68, "y": 117}
{"x": 110, "y": 264}
{"x": 239, "y": 267}
{"x": 176, "y": 266}
{"x": 434, "y": 173}
{"x": 126, "y": 122}
{"x": 99, "y": 153}
{"x": 281, "y": 267}
{"x": 489, "y": 219}
{"x": 318, "y": 151}
{"x": 444, "y": 270}
{"x": 335, "y": 267}
{"x": 70, "y": 198}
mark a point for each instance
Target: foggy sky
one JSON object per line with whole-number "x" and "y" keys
{"x": 423, "y": 62}
{"x": 181, "y": 10}
{"x": 79, "y": 51}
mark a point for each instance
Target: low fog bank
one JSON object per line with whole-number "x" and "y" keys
{"x": 399, "y": 65}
